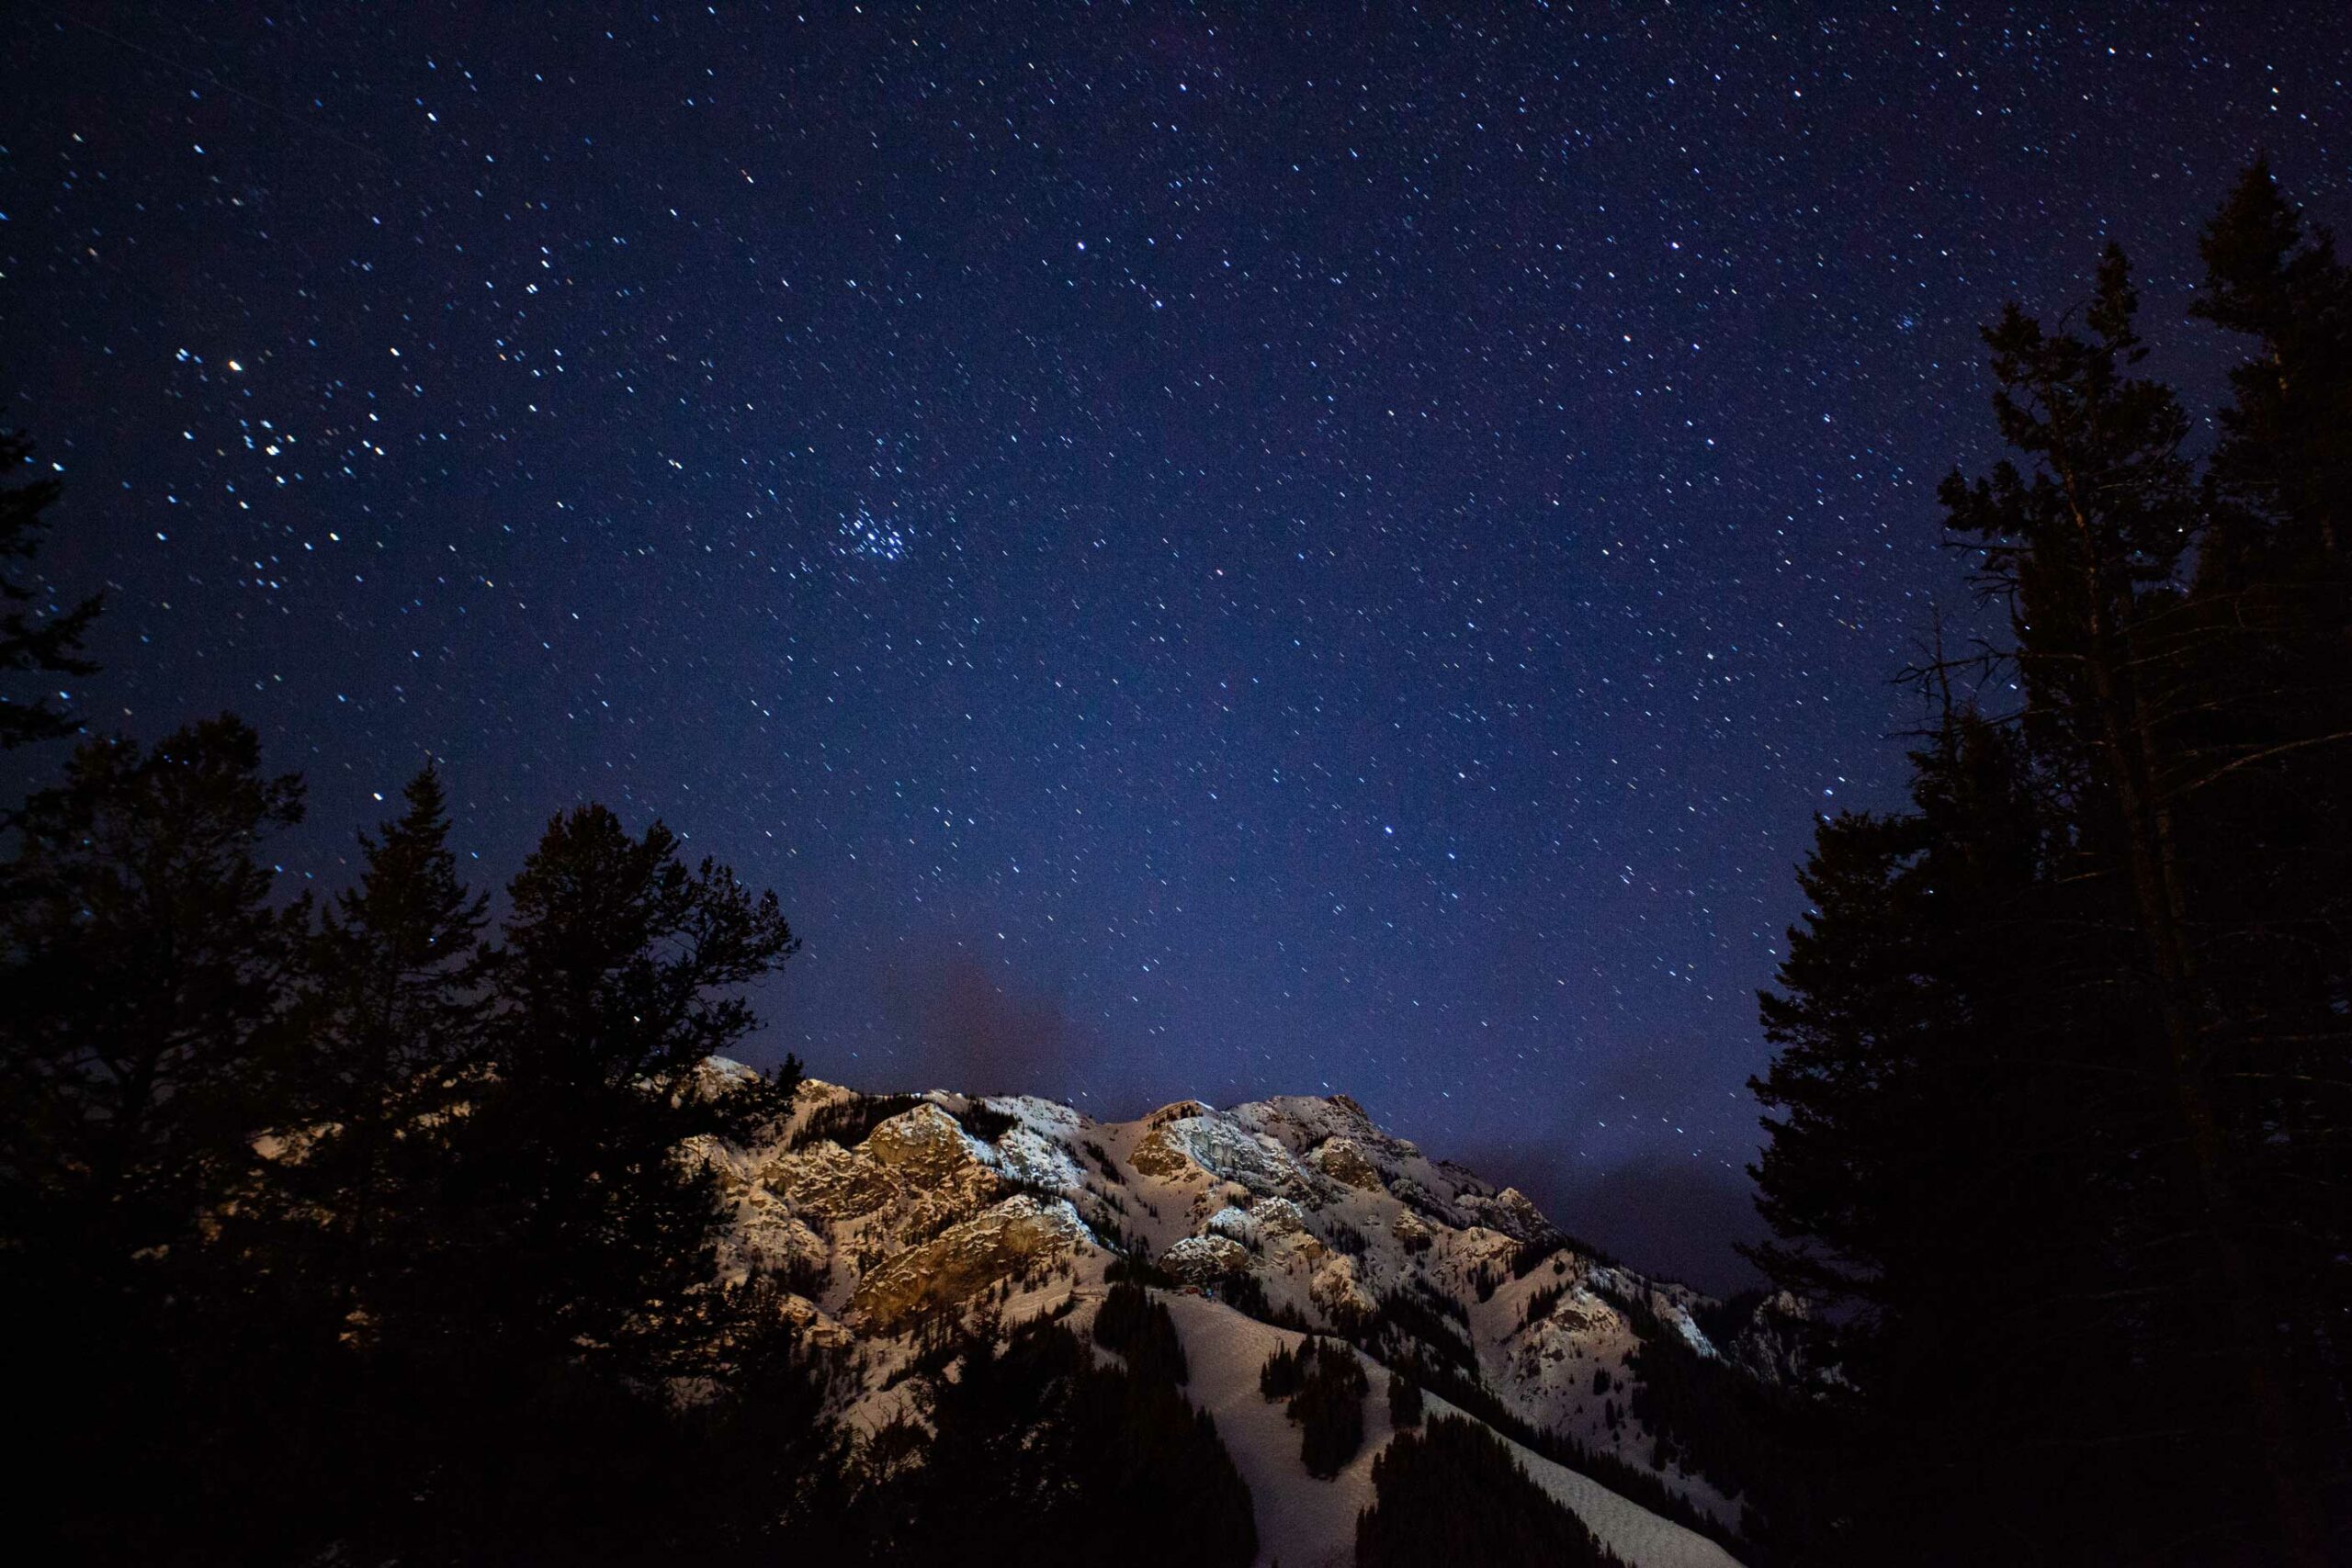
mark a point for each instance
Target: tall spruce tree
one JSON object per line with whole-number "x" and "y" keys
{"x": 393, "y": 1045}
{"x": 620, "y": 975}
{"x": 2100, "y": 1110}
{"x": 1941, "y": 1061}
{"x": 2258, "y": 778}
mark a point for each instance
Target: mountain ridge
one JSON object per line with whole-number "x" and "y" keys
{"x": 890, "y": 1215}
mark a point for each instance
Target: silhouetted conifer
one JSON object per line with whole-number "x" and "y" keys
{"x": 2060, "y": 1084}
{"x": 1140, "y": 1329}
{"x": 1043, "y": 1456}
{"x": 1455, "y": 1493}
{"x": 1404, "y": 1402}
{"x": 38, "y": 637}
{"x": 1329, "y": 1408}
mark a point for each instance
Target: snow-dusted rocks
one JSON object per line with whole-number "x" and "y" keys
{"x": 1513, "y": 1213}
{"x": 827, "y": 1182}
{"x": 923, "y": 1147}
{"x": 1777, "y": 1344}
{"x": 1204, "y": 1259}
{"x": 1278, "y": 1217}
{"x": 768, "y": 1238}
{"x": 1189, "y": 1148}
{"x": 1025, "y": 1157}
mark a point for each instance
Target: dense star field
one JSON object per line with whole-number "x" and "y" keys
{"x": 1202, "y": 550}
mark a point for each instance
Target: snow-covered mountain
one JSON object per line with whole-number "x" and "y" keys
{"x": 890, "y": 1212}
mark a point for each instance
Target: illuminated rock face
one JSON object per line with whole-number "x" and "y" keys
{"x": 1343, "y": 1159}
{"x": 1015, "y": 1240}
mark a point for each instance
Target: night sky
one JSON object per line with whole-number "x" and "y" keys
{"x": 1206, "y": 550}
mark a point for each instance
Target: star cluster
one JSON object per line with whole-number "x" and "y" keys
{"x": 1205, "y": 549}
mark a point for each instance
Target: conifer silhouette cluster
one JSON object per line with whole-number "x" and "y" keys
{"x": 1037, "y": 1453}
{"x": 1453, "y": 1493}
{"x": 1325, "y": 1385}
{"x": 361, "y": 1222}
{"x": 2062, "y": 1113}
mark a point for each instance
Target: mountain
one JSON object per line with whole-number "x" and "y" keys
{"x": 887, "y": 1215}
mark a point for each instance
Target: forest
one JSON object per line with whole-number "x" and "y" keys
{"x": 351, "y": 1228}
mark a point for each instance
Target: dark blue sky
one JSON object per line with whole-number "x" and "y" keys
{"x": 1202, "y": 550}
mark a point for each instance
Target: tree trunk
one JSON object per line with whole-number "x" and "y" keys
{"x": 2161, "y": 904}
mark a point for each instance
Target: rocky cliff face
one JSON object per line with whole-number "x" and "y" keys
{"x": 1298, "y": 1211}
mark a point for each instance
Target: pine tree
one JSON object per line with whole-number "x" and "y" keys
{"x": 2284, "y": 459}
{"x": 147, "y": 973}
{"x": 1039, "y": 1455}
{"x": 620, "y": 972}
{"x": 1940, "y": 1067}
{"x": 1329, "y": 1408}
{"x": 1404, "y": 1402}
{"x": 563, "y": 1261}
{"x": 393, "y": 1043}
{"x": 2090, "y": 549}
{"x": 1455, "y": 1493}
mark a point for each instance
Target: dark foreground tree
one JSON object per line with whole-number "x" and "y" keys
{"x": 1141, "y": 1330}
{"x": 1404, "y": 1402}
{"x": 561, "y": 1265}
{"x": 38, "y": 637}
{"x": 148, "y": 983}
{"x": 148, "y": 978}
{"x": 393, "y": 1049}
{"x": 2063, "y": 1072}
{"x": 1043, "y": 1456}
{"x": 345, "y": 1236}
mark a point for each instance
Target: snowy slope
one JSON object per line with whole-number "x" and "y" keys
{"x": 1305, "y": 1522}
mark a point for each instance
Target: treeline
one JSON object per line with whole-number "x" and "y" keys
{"x": 2062, "y": 1107}
{"x": 355, "y": 1228}
{"x": 356, "y": 1223}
